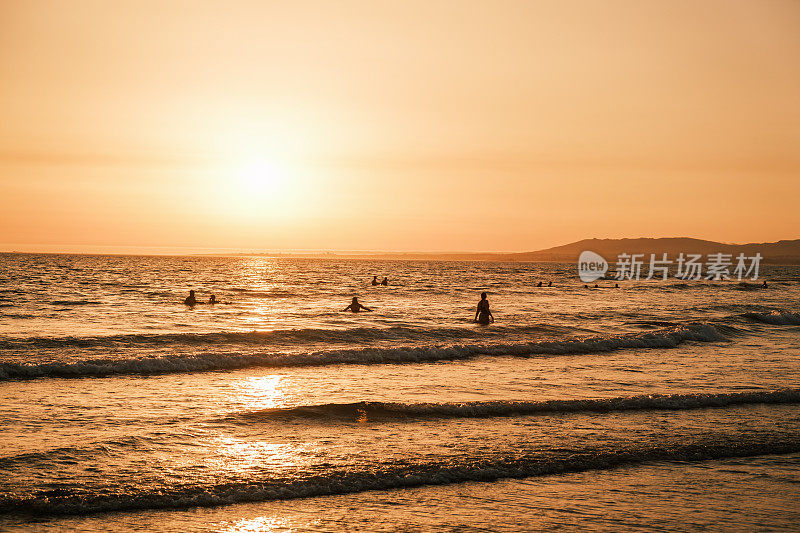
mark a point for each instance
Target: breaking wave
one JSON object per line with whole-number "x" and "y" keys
{"x": 663, "y": 338}
{"x": 378, "y": 411}
{"x": 777, "y": 318}
{"x": 75, "y": 500}
{"x": 273, "y": 337}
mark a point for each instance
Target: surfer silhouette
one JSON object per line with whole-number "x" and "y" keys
{"x": 355, "y": 306}
{"x": 482, "y": 314}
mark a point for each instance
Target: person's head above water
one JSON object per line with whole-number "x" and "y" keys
{"x": 355, "y": 299}
{"x": 483, "y": 296}
{"x": 190, "y": 300}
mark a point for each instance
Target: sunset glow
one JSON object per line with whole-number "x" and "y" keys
{"x": 256, "y": 190}
{"x": 385, "y": 126}
{"x": 399, "y": 265}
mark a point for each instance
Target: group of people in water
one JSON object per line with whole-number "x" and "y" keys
{"x": 192, "y": 300}
{"x": 483, "y": 315}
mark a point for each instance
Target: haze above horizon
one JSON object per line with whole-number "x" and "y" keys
{"x": 410, "y": 127}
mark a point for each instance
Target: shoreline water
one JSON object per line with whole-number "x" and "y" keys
{"x": 138, "y": 403}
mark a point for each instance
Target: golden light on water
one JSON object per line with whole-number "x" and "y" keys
{"x": 260, "y": 392}
{"x": 261, "y": 276}
{"x": 261, "y": 524}
{"x": 234, "y": 454}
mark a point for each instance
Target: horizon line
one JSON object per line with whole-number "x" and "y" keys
{"x": 141, "y": 250}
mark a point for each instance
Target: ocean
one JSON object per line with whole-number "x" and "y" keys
{"x": 659, "y": 405}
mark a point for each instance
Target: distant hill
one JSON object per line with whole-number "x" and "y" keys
{"x": 781, "y": 252}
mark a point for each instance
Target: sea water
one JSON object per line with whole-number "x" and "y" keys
{"x": 669, "y": 405}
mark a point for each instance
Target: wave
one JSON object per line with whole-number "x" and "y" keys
{"x": 76, "y": 454}
{"x": 72, "y": 303}
{"x": 664, "y": 338}
{"x": 777, "y": 318}
{"x": 443, "y": 471}
{"x": 378, "y": 411}
{"x": 293, "y": 336}
{"x": 748, "y": 287}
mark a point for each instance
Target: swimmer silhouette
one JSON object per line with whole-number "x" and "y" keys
{"x": 355, "y": 306}
{"x": 190, "y": 300}
{"x": 539, "y": 284}
{"x": 764, "y": 284}
{"x": 483, "y": 315}
{"x": 385, "y": 281}
{"x": 213, "y": 299}
{"x": 374, "y": 280}
{"x": 550, "y": 284}
{"x": 616, "y": 285}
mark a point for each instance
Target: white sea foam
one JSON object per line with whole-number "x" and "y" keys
{"x": 662, "y": 338}
{"x": 777, "y": 318}
{"x": 389, "y": 476}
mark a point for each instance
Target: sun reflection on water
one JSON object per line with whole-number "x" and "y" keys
{"x": 241, "y": 455}
{"x": 261, "y": 524}
{"x": 260, "y": 447}
{"x": 260, "y": 392}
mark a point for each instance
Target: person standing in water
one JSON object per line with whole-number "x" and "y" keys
{"x": 355, "y": 306}
{"x": 374, "y": 280}
{"x": 483, "y": 315}
{"x": 385, "y": 281}
{"x": 190, "y": 300}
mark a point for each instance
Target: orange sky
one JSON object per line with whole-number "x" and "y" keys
{"x": 470, "y": 126}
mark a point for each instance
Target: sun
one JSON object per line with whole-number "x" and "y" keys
{"x": 257, "y": 189}
{"x": 259, "y": 177}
